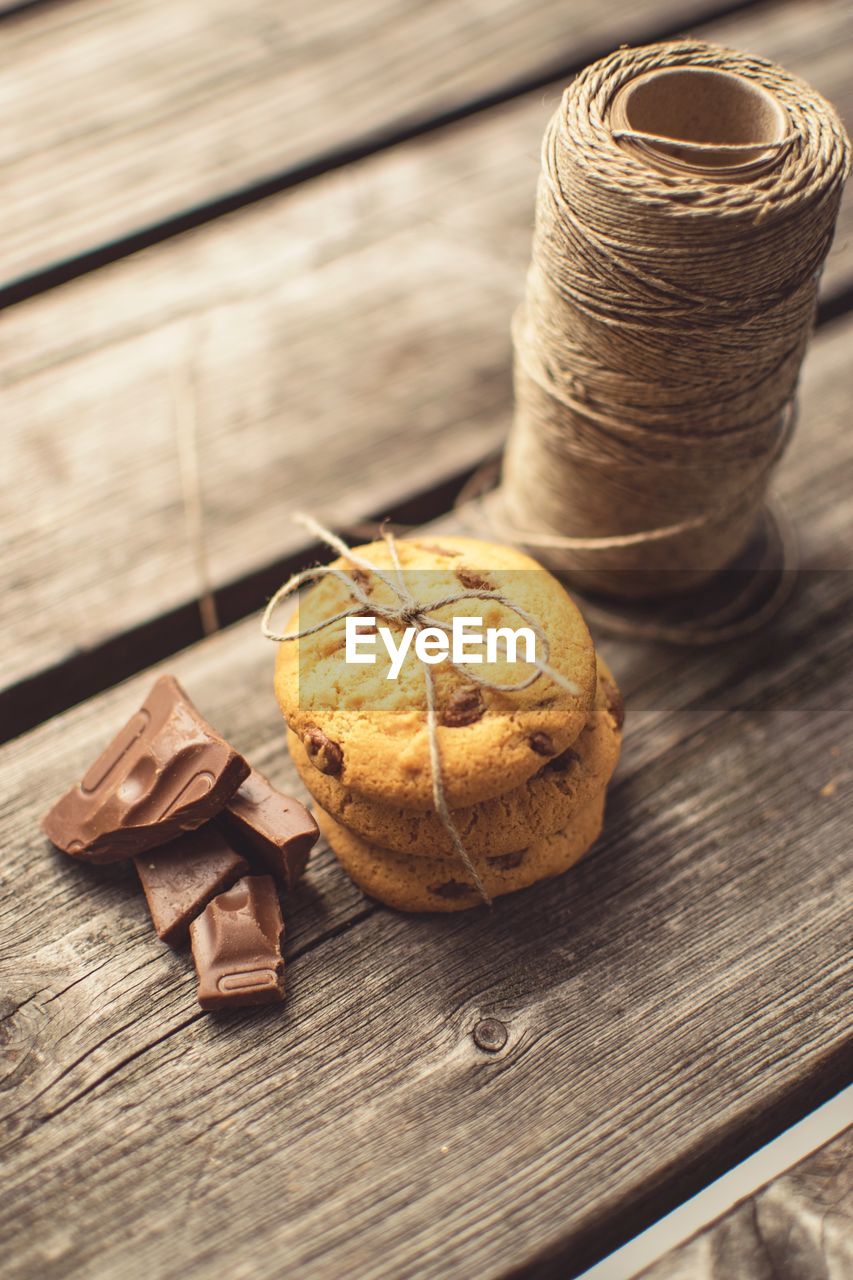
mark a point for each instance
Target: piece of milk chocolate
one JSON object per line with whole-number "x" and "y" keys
{"x": 166, "y": 772}
{"x": 258, "y": 819}
{"x": 180, "y": 878}
{"x": 236, "y": 944}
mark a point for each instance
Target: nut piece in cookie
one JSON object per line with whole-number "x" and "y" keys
{"x": 507, "y": 861}
{"x": 613, "y": 698}
{"x": 564, "y": 761}
{"x": 323, "y": 753}
{"x": 454, "y": 889}
{"x": 464, "y": 706}
{"x": 375, "y": 711}
{"x": 473, "y": 579}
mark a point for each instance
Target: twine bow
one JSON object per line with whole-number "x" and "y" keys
{"x": 407, "y": 611}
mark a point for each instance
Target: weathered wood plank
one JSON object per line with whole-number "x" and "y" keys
{"x": 351, "y": 342}
{"x": 177, "y": 105}
{"x": 109, "y": 1019}
{"x": 800, "y": 1225}
{"x": 346, "y": 380}
{"x": 674, "y": 1001}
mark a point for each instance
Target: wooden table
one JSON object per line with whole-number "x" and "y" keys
{"x": 323, "y": 213}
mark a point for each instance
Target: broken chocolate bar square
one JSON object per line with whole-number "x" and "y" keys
{"x": 260, "y": 820}
{"x": 180, "y": 878}
{"x": 236, "y": 944}
{"x": 166, "y": 772}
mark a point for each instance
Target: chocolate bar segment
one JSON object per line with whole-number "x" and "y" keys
{"x": 180, "y": 878}
{"x": 166, "y": 772}
{"x": 236, "y": 944}
{"x": 260, "y": 820}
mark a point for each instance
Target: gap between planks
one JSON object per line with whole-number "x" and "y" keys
{"x": 54, "y": 689}
{"x": 80, "y": 618}
{"x": 367, "y": 117}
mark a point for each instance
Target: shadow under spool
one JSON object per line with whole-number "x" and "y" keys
{"x": 702, "y": 121}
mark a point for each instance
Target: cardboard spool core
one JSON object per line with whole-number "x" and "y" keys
{"x": 700, "y": 120}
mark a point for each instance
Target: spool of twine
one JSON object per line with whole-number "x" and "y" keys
{"x": 686, "y": 203}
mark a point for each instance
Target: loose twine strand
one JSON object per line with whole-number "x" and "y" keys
{"x": 727, "y": 148}
{"x": 659, "y": 344}
{"x": 744, "y": 613}
{"x": 185, "y": 418}
{"x": 406, "y": 610}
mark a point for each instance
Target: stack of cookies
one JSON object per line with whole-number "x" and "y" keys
{"x": 524, "y": 772}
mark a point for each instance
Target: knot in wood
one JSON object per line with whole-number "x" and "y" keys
{"x": 490, "y": 1035}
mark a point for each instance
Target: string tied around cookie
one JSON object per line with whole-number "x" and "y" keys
{"x": 407, "y": 610}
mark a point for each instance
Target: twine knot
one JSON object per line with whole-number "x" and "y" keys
{"x": 412, "y": 615}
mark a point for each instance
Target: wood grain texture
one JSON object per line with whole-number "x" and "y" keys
{"x": 351, "y": 347}
{"x": 672, "y": 1002}
{"x": 179, "y": 104}
{"x": 799, "y": 1226}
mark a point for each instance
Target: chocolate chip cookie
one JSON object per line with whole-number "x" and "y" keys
{"x": 543, "y": 803}
{"x": 442, "y": 884}
{"x": 369, "y": 733}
